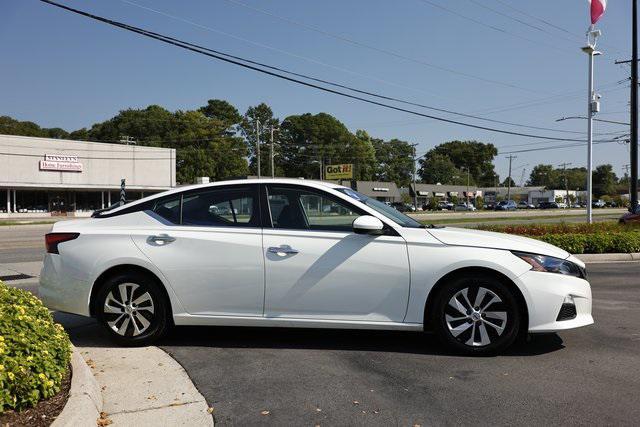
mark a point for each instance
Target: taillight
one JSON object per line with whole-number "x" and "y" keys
{"x": 52, "y": 240}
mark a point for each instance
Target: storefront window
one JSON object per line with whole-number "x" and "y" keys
{"x": 31, "y": 201}
{"x": 88, "y": 201}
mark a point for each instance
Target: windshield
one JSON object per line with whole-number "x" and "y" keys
{"x": 388, "y": 211}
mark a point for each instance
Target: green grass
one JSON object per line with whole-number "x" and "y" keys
{"x": 532, "y": 219}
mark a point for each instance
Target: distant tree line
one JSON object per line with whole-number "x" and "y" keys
{"x": 217, "y": 141}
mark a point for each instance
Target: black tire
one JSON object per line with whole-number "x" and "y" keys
{"x": 138, "y": 287}
{"x": 466, "y": 329}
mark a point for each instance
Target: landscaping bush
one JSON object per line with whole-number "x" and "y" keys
{"x": 597, "y": 238}
{"x": 595, "y": 243}
{"x": 34, "y": 351}
{"x": 533, "y": 230}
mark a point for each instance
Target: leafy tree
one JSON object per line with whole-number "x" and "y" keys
{"x": 205, "y": 146}
{"x": 543, "y": 176}
{"x": 224, "y": 112}
{"x": 438, "y": 168}
{"x": 10, "y": 126}
{"x": 263, "y": 114}
{"x": 395, "y": 161}
{"x": 476, "y": 156}
{"x": 604, "y": 180}
{"x": 307, "y": 141}
{"x": 506, "y": 183}
{"x": 364, "y": 154}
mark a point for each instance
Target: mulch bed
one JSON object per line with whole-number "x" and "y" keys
{"x": 44, "y": 413}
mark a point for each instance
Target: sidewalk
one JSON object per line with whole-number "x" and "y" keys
{"x": 139, "y": 386}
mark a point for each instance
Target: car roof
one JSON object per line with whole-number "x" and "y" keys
{"x": 298, "y": 181}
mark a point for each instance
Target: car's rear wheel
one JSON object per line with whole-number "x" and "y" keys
{"x": 132, "y": 309}
{"x": 476, "y": 314}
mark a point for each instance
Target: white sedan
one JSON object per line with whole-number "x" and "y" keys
{"x": 295, "y": 253}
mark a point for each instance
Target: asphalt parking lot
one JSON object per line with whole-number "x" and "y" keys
{"x": 328, "y": 377}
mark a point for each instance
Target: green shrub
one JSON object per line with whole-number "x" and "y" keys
{"x": 595, "y": 243}
{"x": 533, "y": 230}
{"x": 34, "y": 351}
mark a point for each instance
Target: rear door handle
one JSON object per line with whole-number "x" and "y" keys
{"x": 161, "y": 239}
{"x": 282, "y": 250}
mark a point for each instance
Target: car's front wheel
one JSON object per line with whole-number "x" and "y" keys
{"x": 476, "y": 314}
{"x": 132, "y": 309}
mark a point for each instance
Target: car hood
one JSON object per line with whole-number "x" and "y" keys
{"x": 487, "y": 239}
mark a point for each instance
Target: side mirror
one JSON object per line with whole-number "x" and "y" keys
{"x": 367, "y": 224}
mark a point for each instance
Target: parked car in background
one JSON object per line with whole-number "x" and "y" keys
{"x": 577, "y": 205}
{"x": 548, "y": 205}
{"x": 445, "y": 205}
{"x": 611, "y": 204}
{"x": 403, "y": 207}
{"x": 283, "y": 261}
{"x": 598, "y": 204}
{"x": 489, "y": 206}
{"x": 562, "y": 205}
{"x": 464, "y": 207}
{"x": 631, "y": 217}
{"x": 525, "y": 205}
{"x": 507, "y": 205}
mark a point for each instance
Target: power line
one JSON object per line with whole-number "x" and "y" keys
{"x": 544, "y": 21}
{"x": 378, "y": 49}
{"x": 245, "y": 64}
{"x": 389, "y": 98}
{"x": 493, "y": 27}
{"x": 275, "y": 49}
{"x": 513, "y": 18}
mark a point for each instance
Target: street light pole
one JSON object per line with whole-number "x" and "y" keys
{"x": 415, "y": 190}
{"x": 593, "y": 106}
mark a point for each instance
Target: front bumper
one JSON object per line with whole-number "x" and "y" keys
{"x": 545, "y": 294}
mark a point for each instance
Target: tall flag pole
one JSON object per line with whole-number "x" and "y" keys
{"x": 593, "y": 101}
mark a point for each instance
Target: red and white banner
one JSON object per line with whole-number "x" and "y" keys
{"x": 597, "y": 10}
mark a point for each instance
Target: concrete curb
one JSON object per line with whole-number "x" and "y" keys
{"x": 145, "y": 386}
{"x": 588, "y": 258}
{"x": 85, "y": 399}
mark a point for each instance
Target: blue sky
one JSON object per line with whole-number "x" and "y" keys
{"x": 60, "y": 69}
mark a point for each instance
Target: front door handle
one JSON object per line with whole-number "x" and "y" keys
{"x": 282, "y": 250}
{"x": 161, "y": 239}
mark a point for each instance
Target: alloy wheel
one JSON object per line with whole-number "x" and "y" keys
{"x": 129, "y": 309}
{"x": 478, "y": 324}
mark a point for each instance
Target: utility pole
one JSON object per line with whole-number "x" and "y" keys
{"x": 467, "y": 192}
{"x": 415, "y": 190}
{"x": 510, "y": 157}
{"x": 258, "y": 146}
{"x": 566, "y": 183}
{"x": 634, "y": 110}
{"x": 272, "y": 153}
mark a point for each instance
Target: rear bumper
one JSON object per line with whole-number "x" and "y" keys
{"x": 60, "y": 290}
{"x": 547, "y": 292}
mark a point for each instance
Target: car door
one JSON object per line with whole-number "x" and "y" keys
{"x": 316, "y": 267}
{"x": 208, "y": 244}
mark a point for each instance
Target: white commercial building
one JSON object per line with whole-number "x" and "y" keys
{"x": 45, "y": 177}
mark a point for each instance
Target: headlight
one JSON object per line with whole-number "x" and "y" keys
{"x": 550, "y": 264}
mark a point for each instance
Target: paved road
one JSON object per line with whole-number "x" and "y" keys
{"x": 306, "y": 377}
{"x": 22, "y": 243}
{"x": 309, "y": 377}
